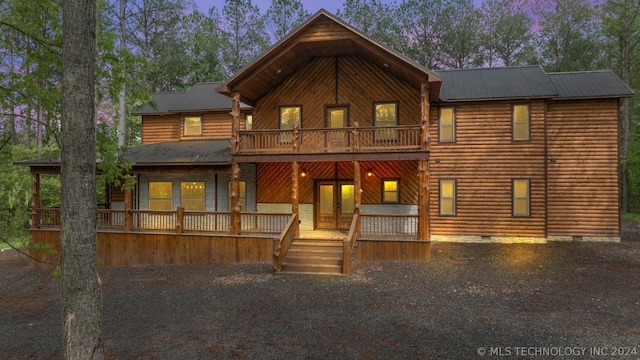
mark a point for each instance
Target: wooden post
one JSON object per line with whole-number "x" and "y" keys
{"x": 235, "y": 127}
{"x": 180, "y": 220}
{"x": 356, "y": 137}
{"x": 357, "y": 186}
{"x": 423, "y": 167}
{"x": 296, "y": 138}
{"x": 128, "y": 202}
{"x": 423, "y": 200}
{"x": 235, "y": 199}
{"x": 295, "y": 200}
{"x": 424, "y": 123}
{"x": 35, "y": 200}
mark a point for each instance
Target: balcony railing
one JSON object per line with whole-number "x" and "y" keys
{"x": 323, "y": 140}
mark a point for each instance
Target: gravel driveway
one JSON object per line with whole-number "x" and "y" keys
{"x": 472, "y": 301}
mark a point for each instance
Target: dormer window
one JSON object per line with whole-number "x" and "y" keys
{"x": 192, "y": 125}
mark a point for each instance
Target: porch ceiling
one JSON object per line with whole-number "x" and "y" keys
{"x": 323, "y": 35}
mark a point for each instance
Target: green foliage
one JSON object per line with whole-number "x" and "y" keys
{"x": 285, "y": 15}
{"x": 243, "y": 34}
{"x": 42, "y": 248}
{"x": 112, "y": 168}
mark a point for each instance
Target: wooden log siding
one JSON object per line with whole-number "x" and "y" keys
{"x": 274, "y": 180}
{"x": 483, "y": 161}
{"x": 215, "y": 126}
{"x": 583, "y": 179}
{"x": 358, "y": 83}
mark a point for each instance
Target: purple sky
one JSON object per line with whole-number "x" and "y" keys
{"x": 311, "y": 6}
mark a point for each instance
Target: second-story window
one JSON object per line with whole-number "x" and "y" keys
{"x": 192, "y": 125}
{"x": 386, "y": 115}
{"x": 290, "y": 116}
{"x": 249, "y": 122}
{"x": 521, "y": 122}
{"x": 447, "y": 125}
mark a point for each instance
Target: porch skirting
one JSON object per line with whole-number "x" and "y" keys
{"x": 519, "y": 239}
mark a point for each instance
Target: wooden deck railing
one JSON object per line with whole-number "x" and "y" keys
{"x": 319, "y": 140}
{"x": 349, "y": 244}
{"x": 282, "y": 243}
{"x": 263, "y": 223}
{"x": 179, "y": 221}
{"x": 389, "y": 226}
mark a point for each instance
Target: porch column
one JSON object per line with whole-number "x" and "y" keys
{"x": 128, "y": 203}
{"x": 234, "y": 198}
{"x": 423, "y": 167}
{"x": 235, "y": 126}
{"x": 357, "y": 187}
{"x": 35, "y": 200}
{"x": 295, "y": 200}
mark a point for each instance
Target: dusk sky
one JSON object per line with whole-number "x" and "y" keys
{"x": 311, "y": 6}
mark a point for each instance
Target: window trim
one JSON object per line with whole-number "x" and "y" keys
{"x": 453, "y": 125}
{"x": 204, "y": 198}
{"x": 382, "y": 183}
{"x": 455, "y": 198}
{"x": 513, "y": 122}
{"x": 280, "y": 107}
{"x": 513, "y": 197}
{"x": 149, "y": 198}
{"x": 184, "y": 126}
{"x": 375, "y": 120}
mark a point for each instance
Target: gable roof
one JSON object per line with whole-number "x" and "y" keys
{"x": 496, "y": 83}
{"x": 589, "y": 84}
{"x": 200, "y": 97}
{"x": 322, "y": 35}
{"x": 187, "y": 152}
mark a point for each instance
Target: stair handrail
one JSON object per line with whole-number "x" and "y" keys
{"x": 282, "y": 244}
{"x": 349, "y": 244}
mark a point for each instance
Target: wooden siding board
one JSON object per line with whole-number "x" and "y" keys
{"x": 583, "y": 178}
{"x": 484, "y": 160}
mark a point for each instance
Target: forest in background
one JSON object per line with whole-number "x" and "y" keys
{"x": 149, "y": 46}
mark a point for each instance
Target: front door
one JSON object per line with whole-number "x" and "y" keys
{"x": 334, "y": 204}
{"x": 337, "y": 118}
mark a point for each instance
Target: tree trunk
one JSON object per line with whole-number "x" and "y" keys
{"x": 81, "y": 292}
{"x": 122, "y": 115}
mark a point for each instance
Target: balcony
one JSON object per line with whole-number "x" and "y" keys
{"x": 368, "y": 139}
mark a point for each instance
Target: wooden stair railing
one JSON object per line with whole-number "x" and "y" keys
{"x": 282, "y": 244}
{"x": 349, "y": 244}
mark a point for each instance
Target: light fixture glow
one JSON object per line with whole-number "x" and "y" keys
{"x": 369, "y": 173}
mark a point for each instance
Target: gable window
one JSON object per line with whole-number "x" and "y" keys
{"x": 242, "y": 195}
{"x": 290, "y": 116}
{"x": 391, "y": 191}
{"x": 521, "y": 122}
{"x": 249, "y": 122}
{"x": 160, "y": 195}
{"x": 521, "y": 196}
{"x": 447, "y": 197}
{"x": 386, "y": 115}
{"x": 192, "y": 194}
{"x": 192, "y": 125}
{"x": 447, "y": 125}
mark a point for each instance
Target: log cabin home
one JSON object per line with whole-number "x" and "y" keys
{"x": 331, "y": 147}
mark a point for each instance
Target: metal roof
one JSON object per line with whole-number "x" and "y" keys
{"x": 192, "y": 152}
{"x": 589, "y": 84}
{"x": 496, "y": 83}
{"x": 200, "y": 97}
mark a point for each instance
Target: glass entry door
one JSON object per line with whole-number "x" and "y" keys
{"x": 334, "y": 204}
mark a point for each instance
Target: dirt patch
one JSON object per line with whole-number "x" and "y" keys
{"x": 471, "y": 299}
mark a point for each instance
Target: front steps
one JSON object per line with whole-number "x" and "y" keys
{"x": 313, "y": 257}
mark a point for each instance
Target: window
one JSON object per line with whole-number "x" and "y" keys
{"x": 192, "y": 125}
{"x": 521, "y": 194}
{"x": 249, "y": 122}
{"x": 521, "y": 122}
{"x": 390, "y": 191}
{"x": 192, "y": 194}
{"x": 289, "y": 117}
{"x": 447, "y": 125}
{"x": 160, "y": 195}
{"x": 447, "y": 197}
{"x": 386, "y": 115}
{"x": 242, "y": 194}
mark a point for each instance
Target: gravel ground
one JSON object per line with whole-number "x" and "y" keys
{"x": 472, "y": 301}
